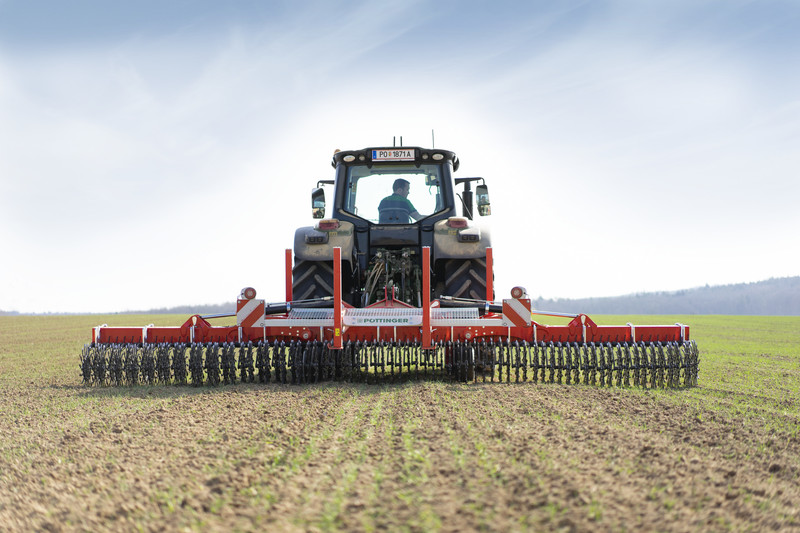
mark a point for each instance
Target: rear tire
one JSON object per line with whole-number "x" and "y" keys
{"x": 465, "y": 278}
{"x": 314, "y": 279}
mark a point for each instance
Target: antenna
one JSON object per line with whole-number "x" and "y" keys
{"x": 433, "y": 140}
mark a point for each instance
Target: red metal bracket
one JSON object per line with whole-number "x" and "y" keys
{"x": 337, "y": 298}
{"x": 426, "y": 298}
{"x": 288, "y": 274}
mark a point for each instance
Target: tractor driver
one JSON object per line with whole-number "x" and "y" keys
{"x": 397, "y": 209}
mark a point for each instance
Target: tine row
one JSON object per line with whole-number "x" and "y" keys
{"x": 645, "y": 365}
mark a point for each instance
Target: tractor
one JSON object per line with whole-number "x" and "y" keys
{"x": 388, "y": 204}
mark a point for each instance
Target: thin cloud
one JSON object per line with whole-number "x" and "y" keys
{"x": 627, "y": 147}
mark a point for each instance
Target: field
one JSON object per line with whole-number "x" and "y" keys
{"x": 420, "y": 456}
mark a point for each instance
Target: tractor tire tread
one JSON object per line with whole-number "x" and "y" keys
{"x": 466, "y": 278}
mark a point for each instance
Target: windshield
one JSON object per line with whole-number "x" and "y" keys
{"x": 393, "y": 194}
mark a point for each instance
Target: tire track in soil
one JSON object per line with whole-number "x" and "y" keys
{"x": 600, "y": 453}
{"x": 372, "y": 475}
{"x": 189, "y": 457}
{"x": 415, "y": 456}
{"x": 312, "y": 487}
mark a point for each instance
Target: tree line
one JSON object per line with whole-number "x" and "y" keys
{"x": 775, "y": 296}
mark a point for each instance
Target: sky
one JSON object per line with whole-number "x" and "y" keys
{"x": 155, "y": 154}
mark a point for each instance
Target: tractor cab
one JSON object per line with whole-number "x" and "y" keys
{"x": 390, "y": 203}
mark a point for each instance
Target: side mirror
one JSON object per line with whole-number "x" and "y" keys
{"x": 484, "y": 206}
{"x": 318, "y": 203}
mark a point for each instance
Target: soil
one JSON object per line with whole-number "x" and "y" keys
{"x": 415, "y": 456}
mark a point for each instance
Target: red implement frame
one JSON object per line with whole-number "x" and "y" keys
{"x": 397, "y": 321}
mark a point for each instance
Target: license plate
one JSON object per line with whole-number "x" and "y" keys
{"x": 394, "y": 154}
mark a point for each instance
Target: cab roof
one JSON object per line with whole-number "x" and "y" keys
{"x": 393, "y": 154}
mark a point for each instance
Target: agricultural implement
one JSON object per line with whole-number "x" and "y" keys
{"x": 393, "y": 286}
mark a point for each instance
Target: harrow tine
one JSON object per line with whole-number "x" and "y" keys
{"x": 651, "y": 348}
{"x": 353, "y": 361}
{"x": 341, "y": 362}
{"x": 458, "y": 360}
{"x": 98, "y": 363}
{"x": 392, "y": 353}
{"x": 196, "y": 364}
{"x": 661, "y": 365}
{"x": 318, "y": 360}
{"x": 293, "y": 363}
{"x": 86, "y": 364}
{"x": 305, "y": 352}
{"x": 583, "y": 360}
{"x": 115, "y": 364}
{"x": 468, "y": 367}
{"x": 246, "y": 363}
{"x": 162, "y": 364}
{"x": 413, "y": 353}
{"x": 369, "y": 358}
{"x": 506, "y": 361}
{"x": 281, "y": 361}
{"x": 611, "y": 364}
{"x": 296, "y": 363}
{"x": 422, "y": 360}
{"x": 178, "y": 365}
{"x": 131, "y": 362}
{"x": 690, "y": 351}
{"x": 329, "y": 357}
{"x": 265, "y": 362}
{"x": 603, "y": 364}
{"x": 213, "y": 364}
{"x": 567, "y": 362}
{"x": 347, "y": 360}
{"x": 497, "y": 361}
{"x": 148, "y": 364}
{"x": 311, "y": 361}
{"x": 302, "y": 360}
{"x": 386, "y": 350}
{"x": 321, "y": 361}
{"x": 318, "y": 350}
{"x": 262, "y": 362}
{"x": 448, "y": 357}
{"x": 413, "y": 358}
{"x": 227, "y": 365}
{"x": 644, "y": 364}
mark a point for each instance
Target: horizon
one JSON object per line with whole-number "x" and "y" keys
{"x": 154, "y": 154}
{"x": 166, "y": 310}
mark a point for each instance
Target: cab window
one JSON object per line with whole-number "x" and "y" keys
{"x": 367, "y": 187}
